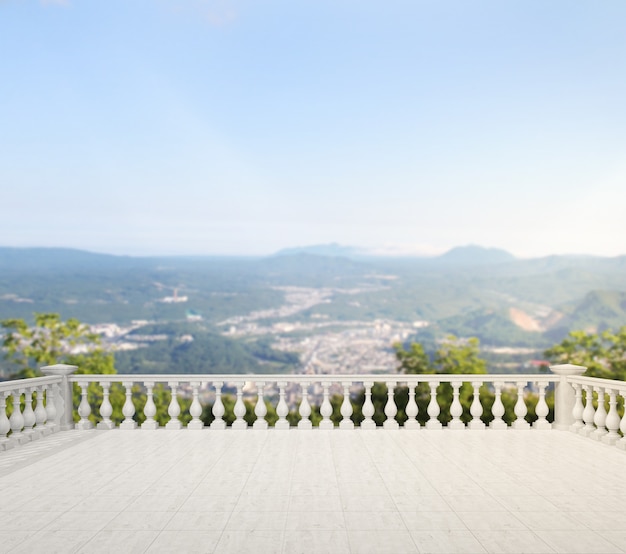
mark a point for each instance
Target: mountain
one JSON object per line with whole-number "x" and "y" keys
{"x": 332, "y": 250}
{"x": 597, "y": 311}
{"x": 475, "y": 255}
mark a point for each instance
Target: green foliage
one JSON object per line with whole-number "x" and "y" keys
{"x": 603, "y": 354}
{"x": 51, "y": 341}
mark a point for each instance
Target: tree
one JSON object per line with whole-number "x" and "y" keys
{"x": 603, "y": 354}
{"x": 52, "y": 341}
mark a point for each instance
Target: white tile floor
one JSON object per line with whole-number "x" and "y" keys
{"x": 318, "y": 491}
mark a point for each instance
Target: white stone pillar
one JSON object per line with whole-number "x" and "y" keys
{"x": 433, "y": 408}
{"x": 564, "y": 397}
{"x": 173, "y": 409}
{"x": 498, "y": 409}
{"x": 5, "y": 424}
{"x": 64, "y": 401}
{"x": 195, "y": 410}
{"x": 84, "y": 409}
{"x": 128, "y": 410}
{"x": 240, "y": 410}
{"x": 476, "y": 409}
{"x": 218, "y": 408}
{"x": 305, "y": 408}
{"x": 411, "y": 408}
{"x": 368, "y": 407}
{"x": 260, "y": 410}
{"x": 542, "y": 409}
{"x": 326, "y": 409}
{"x": 346, "y": 408}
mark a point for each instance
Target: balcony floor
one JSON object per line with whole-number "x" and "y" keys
{"x": 316, "y": 491}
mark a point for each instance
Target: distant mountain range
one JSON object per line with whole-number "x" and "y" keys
{"x": 469, "y": 290}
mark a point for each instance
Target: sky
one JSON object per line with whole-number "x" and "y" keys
{"x": 178, "y": 127}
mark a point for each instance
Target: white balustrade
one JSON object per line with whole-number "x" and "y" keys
{"x": 260, "y": 410}
{"x": 84, "y": 409}
{"x": 578, "y": 410}
{"x": 195, "y": 410}
{"x": 218, "y": 408}
{"x": 411, "y": 409}
{"x": 612, "y": 420}
{"x": 17, "y": 419}
{"x": 5, "y": 424}
{"x": 28, "y": 414}
{"x": 476, "y": 408}
{"x": 346, "y": 408}
{"x": 588, "y": 413}
{"x": 456, "y": 409}
{"x": 497, "y": 409}
{"x": 305, "y": 408}
{"x": 622, "y": 425}
{"x": 326, "y": 409}
{"x": 390, "y": 408}
{"x": 149, "y": 410}
{"x": 240, "y": 409}
{"x": 368, "y": 407}
{"x": 433, "y": 409}
{"x": 40, "y": 413}
{"x": 520, "y": 408}
{"x": 173, "y": 410}
{"x": 599, "y": 419}
{"x": 542, "y": 410}
{"x": 128, "y": 410}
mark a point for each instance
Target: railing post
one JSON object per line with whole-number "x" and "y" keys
{"x": 476, "y": 409}
{"x": 542, "y": 409}
{"x": 64, "y": 402}
{"x": 239, "y": 410}
{"x": 390, "y": 408}
{"x": 497, "y": 409}
{"x": 305, "y": 408}
{"x": 196, "y": 408}
{"x": 564, "y": 397}
{"x": 260, "y": 410}
{"x": 29, "y": 414}
{"x": 599, "y": 419}
{"x": 520, "y": 408}
{"x": 40, "y": 413}
{"x": 128, "y": 410}
{"x": 218, "y": 408}
{"x": 173, "y": 409}
{"x": 84, "y": 409}
{"x": 326, "y": 409}
{"x": 106, "y": 409}
{"x": 346, "y": 408}
{"x": 612, "y": 420}
{"x": 368, "y": 407}
{"x": 589, "y": 413}
{"x": 433, "y": 409}
{"x": 411, "y": 408}
{"x": 5, "y": 424}
{"x": 577, "y": 412}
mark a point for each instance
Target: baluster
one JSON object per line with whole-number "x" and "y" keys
{"x": 368, "y": 407}
{"x": 433, "y": 409}
{"x": 498, "y": 409}
{"x": 622, "y": 425}
{"x": 240, "y": 409}
{"x": 218, "y": 408}
{"x": 612, "y": 420}
{"x": 16, "y": 419}
{"x": 84, "y": 409}
{"x": 128, "y": 410}
{"x": 326, "y": 409}
{"x": 476, "y": 409}
{"x": 542, "y": 409}
{"x": 411, "y": 408}
{"x": 29, "y": 414}
{"x": 588, "y": 413}
{"x": 149, "y": 410}
{"x": 174, "y": 408}
{"x": 346, "y": 408}
{"x": 51, "y": 410}
{"x": 5, "y": 424}
{"x": 195, "y": 409}
{"x": 305, "y": 409}
{"x": 282, "y": 409}
{"x": 456, "y": 409}
{"x": 577, "y": 411}
{"x": 599, "y": 417}
{"x": 260, "y": 410}
{"x": 390, "y": 408}
{"x": 40, "y": 413}
{"x": 520, "y": 408}
{"x": 106, "y": 410}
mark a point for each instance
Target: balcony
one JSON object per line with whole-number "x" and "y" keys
{"x": 546, "y": 486}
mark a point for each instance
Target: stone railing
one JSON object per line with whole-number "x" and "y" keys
{"x": 597, "y": 422}
{"x": 27, "y": 423}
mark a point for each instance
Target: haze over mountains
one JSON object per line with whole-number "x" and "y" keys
{"x": 468, "y": 291}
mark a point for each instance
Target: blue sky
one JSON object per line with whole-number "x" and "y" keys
{"x": 242, "y": 127}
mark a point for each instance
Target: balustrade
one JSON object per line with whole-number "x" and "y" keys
{"x": 19, "y": 425}
{"x": 28, "y": 408}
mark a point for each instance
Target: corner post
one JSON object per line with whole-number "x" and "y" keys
{"x": 564, "y": 396}
{"x": 65, "y": 414}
